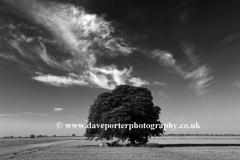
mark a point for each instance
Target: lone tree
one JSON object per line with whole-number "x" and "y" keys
{"x": 125, "y": 105}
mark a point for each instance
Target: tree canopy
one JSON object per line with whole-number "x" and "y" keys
{"x": 124, "y": 105}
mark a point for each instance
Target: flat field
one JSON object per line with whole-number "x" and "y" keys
{"x": 175, "y": 148}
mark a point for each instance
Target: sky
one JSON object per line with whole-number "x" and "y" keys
{"x": 57, "y": 56}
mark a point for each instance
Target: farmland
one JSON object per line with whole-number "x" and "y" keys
{"x": 52, "y": 148}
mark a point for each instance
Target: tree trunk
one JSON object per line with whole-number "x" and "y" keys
{"x": 132, "y": 140}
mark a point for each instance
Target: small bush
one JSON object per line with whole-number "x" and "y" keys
{"x": 54, "y": 136}
{"x": 73, "y": 135}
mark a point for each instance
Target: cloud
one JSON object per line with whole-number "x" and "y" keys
{"x": 81, "y": 33}
{"x": 42, "y": 52}
{"x": 36, "y": 114}
{"x": 162, "y": 94}
{"x": 109, "y": 77}
{"x": 164, "y": 58}
{"x": 231, "y": 38}
{"x": 23, "y": 114}
{"x": 160, "y": 84}
{"x": 58, "y": 109}
{"x": 101, "y": 81}
{"x": 185, "y": 14}
{"x": 188, "y": 49}
{"x": 199, "y": 73}
{"x": 138, "y": 81}
{"x": 105, "y": 77}
{"x": 199, "y": 76}
{"x": 60, "y": 81}
{"x": 6, "y": 115}
{"x": 237, "y": 84}
{"x": 201, "y": 79}
{"x": 8, "y": 57}
{"x": 84, "y": 37}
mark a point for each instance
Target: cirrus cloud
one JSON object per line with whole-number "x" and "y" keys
{"x": 84, "y": 36}
{"x": 199, "y": 76}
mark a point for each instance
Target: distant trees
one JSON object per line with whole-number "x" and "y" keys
{"x": 39, "y": 136}
{"x": 125, "y": 105}
{"x": 73, "y": 135}
{"x": 32, "y": 136}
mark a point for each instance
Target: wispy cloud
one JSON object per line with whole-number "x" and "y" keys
{"x": 138, "y": 81}
{"x": 160, "y": 84}
{"x": 36, "y": 114}
{"x": 8, "y": 57}
{"x": 6, "y": 115}
{"x": 42, "y": 52}
{"x": 79, "y": 31}
{"x": 231, "y": 38}
{"x": 23, "y": 114}
{"x": 164, "y": 58}
{"x": 58, "y": 109}
{"x": 162, "y": 94}
{"x": 237, "y": 84}
{"x": 188, "y": 49}
{"x": 106, "y": 77}
{"x": 84, "y": 36}
{"x": 109, "y": 77}
{"x": 185, "y": 14}
{"x": 60, "y": 81}
{"x": 199, "y": 76}
{"x": 201, "y": 79}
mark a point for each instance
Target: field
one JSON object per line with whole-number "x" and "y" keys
{"x": 176, "y": 147}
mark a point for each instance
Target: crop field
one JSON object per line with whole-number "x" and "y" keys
{"x": 196, "y": 140}
{"x": 220, "y": 147}
{"x": 8, "y": 142}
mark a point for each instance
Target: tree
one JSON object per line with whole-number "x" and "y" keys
{"x": 125, "y": 105}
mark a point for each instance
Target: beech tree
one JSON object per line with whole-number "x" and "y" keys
{"x": 124, "y": 105}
